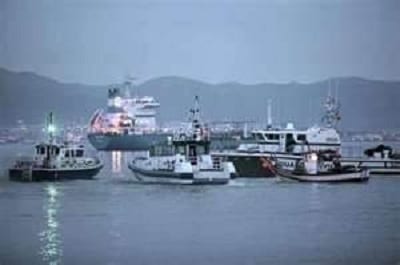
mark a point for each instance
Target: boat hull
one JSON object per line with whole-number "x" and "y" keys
{"x": 207, "y": 177}
{"x": 40, "y": 174}
{"x": 256, "y": 165}
{"x": 360, "y": 176}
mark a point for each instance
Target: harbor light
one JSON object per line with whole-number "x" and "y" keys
{"x": 314, "y": 157}
{"x": 51, "y": 128}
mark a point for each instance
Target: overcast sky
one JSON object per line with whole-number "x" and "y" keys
{"x": 101, "y": 41}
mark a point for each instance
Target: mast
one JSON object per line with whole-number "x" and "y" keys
{"x": 332, "y": 111}
{"x": 51, "y": 128}
{"x": 129, "y": 80}
{"x": 195, "y": 111}
{"x": 269, "y": 114}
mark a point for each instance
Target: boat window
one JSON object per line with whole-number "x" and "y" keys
{"x": 260, "y": 136}
{"x": 192, "y": 150}
{"x": 180, "y": 150}
{"x": 55, "y": 150}
{"x": 301, "y": 137}
{"x": 67, "y": 153}
{"x": 272, "y": 136}
{"x": 200, "y": 150}
{"x": 42, "y": 150}
{"x": 290, "y": 143}
{"x": 79, "y": 153}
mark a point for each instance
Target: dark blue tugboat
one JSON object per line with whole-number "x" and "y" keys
{"x": 55, "y": 161}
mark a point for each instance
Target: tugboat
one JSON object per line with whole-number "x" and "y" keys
{"x": 321, "y": 167}
{"x": 55, "y": 161}
{"x": 190, "y": 163}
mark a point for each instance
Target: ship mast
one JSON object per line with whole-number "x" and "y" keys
{"x": 195, "y": 111}
{"x": 269, "y": 114}
{"x": 129, "y": 80}
{"x": 332, "y": 110}
{"x": 50, "y": 127}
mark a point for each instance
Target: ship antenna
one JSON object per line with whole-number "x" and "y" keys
{"x": 51, "y": 128}
{"x": 195, "y": 111}
{"x": 269, "y": 114}
{"x": 337, "y": 91}
{"x": 128, "y": 85}
{"x": 332, "y": 111}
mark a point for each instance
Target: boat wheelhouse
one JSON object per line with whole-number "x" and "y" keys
{"x": 291, "y": 141}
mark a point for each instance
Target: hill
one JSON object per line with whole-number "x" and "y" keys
{"x": 366, "y": 104}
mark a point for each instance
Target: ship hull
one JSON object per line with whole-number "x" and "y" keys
{"x": 170, "y": 177}
{"x": 109, "y": 142}
{"x": 103, "y": 142}
{"x": 256, "y": 165}
{"x": 20, "y": 174}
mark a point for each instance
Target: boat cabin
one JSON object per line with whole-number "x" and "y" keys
{"x": 195, "y": 142}
{"x": 192, "y": 145}
{"x": 49, "y": 154}
{"x": 297, "y": 141}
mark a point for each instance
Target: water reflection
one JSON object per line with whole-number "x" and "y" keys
{"x": 51, "y": 247}
{"x": 116, "y": 161}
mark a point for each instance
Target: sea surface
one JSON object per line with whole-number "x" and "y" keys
{"x": 114, "y": 220}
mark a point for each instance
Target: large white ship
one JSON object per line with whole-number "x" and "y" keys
{"x": 128, "y": 123}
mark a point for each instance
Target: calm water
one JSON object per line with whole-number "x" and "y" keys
{"x": 113, "y": 220}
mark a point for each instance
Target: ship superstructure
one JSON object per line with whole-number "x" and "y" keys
{"x": 125, "y": 114}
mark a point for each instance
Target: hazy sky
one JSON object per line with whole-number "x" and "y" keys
{"x": 101, "y": 41}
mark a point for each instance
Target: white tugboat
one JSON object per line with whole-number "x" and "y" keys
{"x": 191, "y": 162}
{"x": 55, "y": 161}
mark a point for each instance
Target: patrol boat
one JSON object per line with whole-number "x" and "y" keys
{"x": 55, "y": 161}
{"x": 286, "y": 145}
{"x": 190, "y": 161}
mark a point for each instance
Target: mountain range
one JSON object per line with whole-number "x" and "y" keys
{"x": 365, "y": 104}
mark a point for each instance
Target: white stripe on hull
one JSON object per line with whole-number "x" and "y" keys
{"x": 149, "y": 179}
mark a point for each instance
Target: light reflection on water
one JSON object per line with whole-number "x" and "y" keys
{"x": 51, "y": 242}
{"x": 116, "y": 159}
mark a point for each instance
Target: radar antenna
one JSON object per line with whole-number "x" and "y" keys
{"x": 332, "y": 111}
